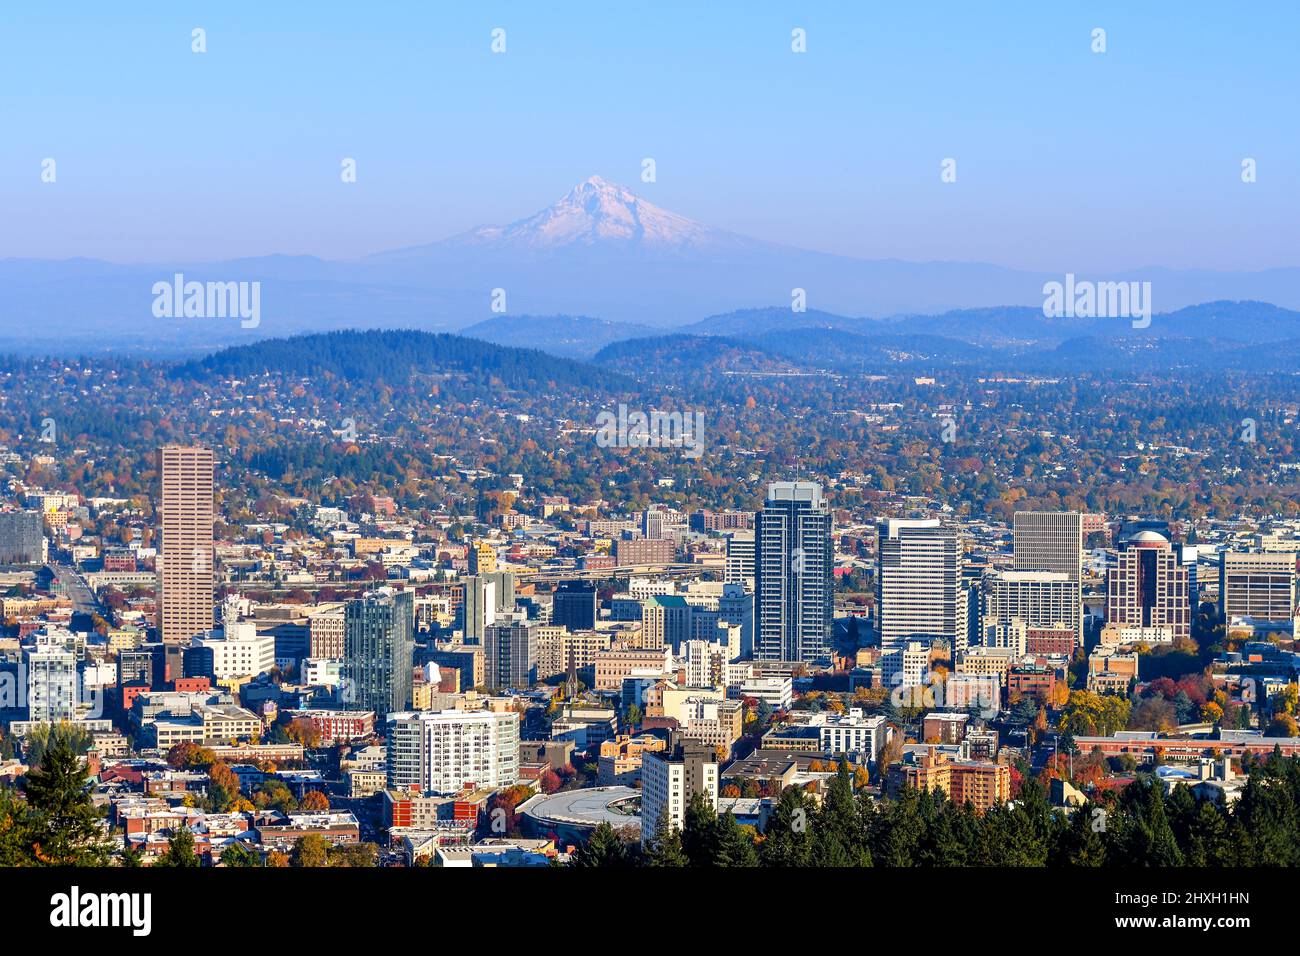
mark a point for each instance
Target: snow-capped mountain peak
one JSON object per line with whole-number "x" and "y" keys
{"x": 597, "y": 212}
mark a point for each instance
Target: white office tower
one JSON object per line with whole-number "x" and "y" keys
{"x": 1052, "y": 541}
{"x": 489, "y": 597}
{"x": 658, "y": 523}
{"x": 794, "y": 567}
{"x": 739, "y": 568}
{"x": 447, "y": 751}
{"x": 920, "y": 596}
{"x": 1035, "y": 599}
{"x": 238, "y": 650}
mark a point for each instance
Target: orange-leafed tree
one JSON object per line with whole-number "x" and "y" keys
{"x": 314, "y": 801}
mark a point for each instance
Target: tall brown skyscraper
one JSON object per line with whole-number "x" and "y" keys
{"x": 185, "y": 578}
{"x": 1146, "y": 587}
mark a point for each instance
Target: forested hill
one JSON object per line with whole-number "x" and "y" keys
{"x": 393, "y": 355}
{"x": 677, "y": 353}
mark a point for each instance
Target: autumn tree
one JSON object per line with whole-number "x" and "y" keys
{"x": 311, "y": 850}
{"x": 313, "y": 801}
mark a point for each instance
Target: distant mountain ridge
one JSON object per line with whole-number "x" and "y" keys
{"x": 402, "y": 356}
{"x": 600, "y": 250}
{"x": 1008, "y": 329}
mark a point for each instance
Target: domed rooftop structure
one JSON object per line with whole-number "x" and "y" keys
{"x": 1148, "y": 539}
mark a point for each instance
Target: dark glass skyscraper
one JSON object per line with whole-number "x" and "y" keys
{"x": 379, "y": 652}
{"x": 794, "y": 565}
{"x": 574, "y": 606}
{"x": 510, "y": 655}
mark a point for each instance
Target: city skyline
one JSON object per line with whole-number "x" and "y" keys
{"x": 674, "y": 439}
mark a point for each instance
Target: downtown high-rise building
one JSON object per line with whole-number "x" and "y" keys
{"x": 736, "y": 606}
{"x": 659, "y": 523}
{"x": 22, "y": 537}
{"x": 920, "y": 595}
{"x": 1147, "y": 589}
{"x": 1257, "y": 585}
{"x": 739, "y": 567}
{"x": 185, "y": 556}
{"x": 794, "y": 565}
{"x": 669, "y": 778}
{"x": 51, "y": 683}
{"x": 1048, "y": 541}
{"x": 1052, "y": 541}
{"x": 510, "y": 655}
{"x": 666, "y": 621}
{"x": 573, "y": 605}
{"x": 488, "y": 597}
{"x": 379, "y": 651}
{"x": 1021, "y": 601}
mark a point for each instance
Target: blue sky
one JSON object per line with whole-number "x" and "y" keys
{"x": 1066, "y": 158}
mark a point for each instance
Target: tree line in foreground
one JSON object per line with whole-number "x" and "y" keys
{"x": 53, "y": 822}
{"x": 1138, "y": 826}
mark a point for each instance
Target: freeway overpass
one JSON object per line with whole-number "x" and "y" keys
{"x": 521, "y": 577}
{"x": 621, "y": 571}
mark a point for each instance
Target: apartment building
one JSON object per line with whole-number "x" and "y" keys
{"x": 852, "y": 733}
{"x": 620, "y": 662}
{"x": 558, "y": 648}
{"x": 668, "y": 780}
{"x": 619, "y": 763}
{"x": 631, "y": 552}
{"x": 451, "y": 750}
{"x": 983, "y": 785}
